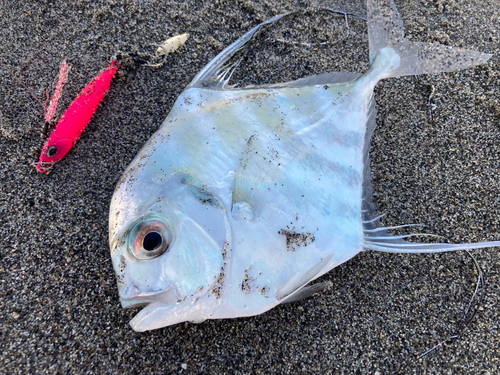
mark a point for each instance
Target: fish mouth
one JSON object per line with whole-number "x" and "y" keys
{"x": 156, "y": 308}
{"x": 167, "y": 297}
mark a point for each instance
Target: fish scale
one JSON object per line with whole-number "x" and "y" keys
{"x": 245, "y": 195}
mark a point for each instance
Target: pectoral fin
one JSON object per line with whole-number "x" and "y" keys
{"x": 300, "y": 279}
{"x": 306, "y": 292}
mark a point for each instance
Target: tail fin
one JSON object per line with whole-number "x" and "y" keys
{"x": 385, "y": 29}
{"x": 395, "y": 56}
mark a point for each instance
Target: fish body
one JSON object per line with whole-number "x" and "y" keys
{"x": 244, "y": 196}
{"x": 75, "y": 119}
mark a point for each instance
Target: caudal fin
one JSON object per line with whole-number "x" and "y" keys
{"x": 391, "y": 55}
{"x": 385, "y": 30}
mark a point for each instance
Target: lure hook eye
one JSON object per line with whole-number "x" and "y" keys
{"x": 51, "y": 151}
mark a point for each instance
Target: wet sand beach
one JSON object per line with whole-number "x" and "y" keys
{"x": 435, "y": 162}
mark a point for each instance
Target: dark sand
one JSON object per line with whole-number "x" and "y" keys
{"x": 59, "y": 308}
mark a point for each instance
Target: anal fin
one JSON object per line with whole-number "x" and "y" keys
{"x": 379, "y": 240}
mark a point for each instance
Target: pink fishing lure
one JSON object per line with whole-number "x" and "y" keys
{"x": 75, "y": 119}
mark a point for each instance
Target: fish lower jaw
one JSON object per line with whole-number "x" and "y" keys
{"x": 158, "y": 314}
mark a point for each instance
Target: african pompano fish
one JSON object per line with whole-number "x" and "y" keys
{"x": 245, "y": 195}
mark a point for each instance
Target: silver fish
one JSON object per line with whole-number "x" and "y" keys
{"x": 245, "y": 195}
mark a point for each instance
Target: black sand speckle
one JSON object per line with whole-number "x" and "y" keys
{"x": 59, "y": 308}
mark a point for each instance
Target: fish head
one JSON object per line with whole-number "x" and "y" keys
{"x": 53, "y": 151}
{"x": 167, "y": 250}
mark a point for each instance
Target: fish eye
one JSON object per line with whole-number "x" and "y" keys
{"x": 152, "y": 241}
{"x": 51, "y": 151}
{"x": 150, "y": 238}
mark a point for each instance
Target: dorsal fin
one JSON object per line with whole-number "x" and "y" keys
{"x": 210, "y": 73}
{"x": 217, "y": 73}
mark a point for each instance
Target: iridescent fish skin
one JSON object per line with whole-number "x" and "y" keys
{"x": 75, "y": 119}
{"x": 244, "y": 196}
